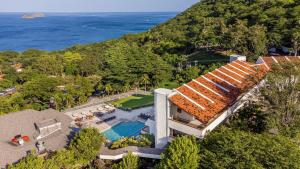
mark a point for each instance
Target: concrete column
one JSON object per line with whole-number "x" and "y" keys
{"x": 161, "y": 110}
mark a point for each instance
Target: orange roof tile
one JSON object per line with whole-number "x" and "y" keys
{"x": 211, "y": 94}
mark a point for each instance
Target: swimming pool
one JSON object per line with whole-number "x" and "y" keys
{"x": 124, "y": 129}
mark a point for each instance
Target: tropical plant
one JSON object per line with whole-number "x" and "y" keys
{"x": 86, "y": 144}
{"x": 182, "y": 153}
{"x": 281, "y": 99}
{"x": 130, "y": 161}
{"x": 228, "y": 148}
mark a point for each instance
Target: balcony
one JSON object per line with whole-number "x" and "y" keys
{"x": 187, "y": 122}
{"x": 186, "y": 128}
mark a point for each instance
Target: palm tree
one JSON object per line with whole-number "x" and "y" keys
{"x": 145, "y": 80}
{"x": 281, "y": 93}
{"x": 126, "y": 87}
{"x": 108, "y": 88}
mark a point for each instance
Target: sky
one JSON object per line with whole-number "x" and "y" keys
{"x": 95, "y": 5}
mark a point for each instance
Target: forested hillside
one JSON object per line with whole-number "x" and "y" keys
{"x": 245, "y": 27}
{"x": 154, "y": 58}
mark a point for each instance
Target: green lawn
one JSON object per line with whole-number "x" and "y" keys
{"x": 134, "y": 102}
{"x": 204, "y": 57}
{"x": 169, "y": 85}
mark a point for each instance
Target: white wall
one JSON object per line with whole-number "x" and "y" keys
{"x": 151, "y": 124}
{"x": 237, "y": 57}
{"x": 161, "y": 110}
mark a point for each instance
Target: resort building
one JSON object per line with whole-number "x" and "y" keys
{"x": 198, "y": 107}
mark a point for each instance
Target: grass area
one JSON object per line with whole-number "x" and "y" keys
{"x": 169, "y": 85}
{"x": 134, "y": 102}
{"x": 207, "y": 57}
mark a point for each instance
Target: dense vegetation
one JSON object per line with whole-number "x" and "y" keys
{"x": 276, "y": 111}
{"x": 151, "y": 59}
{"x": 130, "y": 161}
{"x": 182, "y": 153}
{"x": 144, "y": 140}
{"x": 238, "y": 149}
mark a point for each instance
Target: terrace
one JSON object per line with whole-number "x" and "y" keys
{"x": 104, "y": 116}
{"x": 25, "y": 123}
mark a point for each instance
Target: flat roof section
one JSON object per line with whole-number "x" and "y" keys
{"x": 23, "y": 123}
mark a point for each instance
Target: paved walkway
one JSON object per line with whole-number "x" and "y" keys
{"x": 145, "y": 152}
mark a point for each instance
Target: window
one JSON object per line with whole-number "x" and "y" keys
{"x": 179, "y": 110}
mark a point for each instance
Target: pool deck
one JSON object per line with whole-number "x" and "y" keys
{"x": 145, "y": 152}
{"x": 121, "y": 115}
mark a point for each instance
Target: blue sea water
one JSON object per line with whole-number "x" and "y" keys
{"x": 60, "y": 30}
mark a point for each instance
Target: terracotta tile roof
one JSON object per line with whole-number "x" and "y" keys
{"x": 211, "y": 94}
{"x": 270, "y": 61}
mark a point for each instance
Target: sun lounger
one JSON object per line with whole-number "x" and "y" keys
{"x": 99, "y": 122}
{"x": 109, "y": 119}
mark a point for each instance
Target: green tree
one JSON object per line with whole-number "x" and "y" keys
{"x": 250, "y": 118}
{"x": 108, "y": 89}
{"x": 190, "y": 73}
{"x": 50, "y": 65}
{"x": 4, "y": 84}
{"x": 130, "y": 161}
{"x": 29, "y": 162}
{"x": 86, "y": 144}
{"x": 145, "y": 80}
{"x": 64, "y": 159}
{"x": 281, "y": 97}
{"x": 182, "y": 153}
{"x": 227, "y": 148}
{"x": 71, "y": 61}
{"x": 38, "y": 92}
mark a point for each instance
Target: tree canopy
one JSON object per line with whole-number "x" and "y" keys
{"x": 130, "y": 161}
{"x": 227, "y": 148}
{"x": 182, "y": 153}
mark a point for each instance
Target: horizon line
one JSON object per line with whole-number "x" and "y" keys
{"x": 92, "y": 12}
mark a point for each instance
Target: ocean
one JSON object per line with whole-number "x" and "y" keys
{"x": 61, "y": 30}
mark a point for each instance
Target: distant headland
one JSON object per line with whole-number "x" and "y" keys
{"x": 33, "y": 15}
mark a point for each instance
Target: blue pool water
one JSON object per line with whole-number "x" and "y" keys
{"x": 60, "y": 30}
{"x": 124, "y": 129}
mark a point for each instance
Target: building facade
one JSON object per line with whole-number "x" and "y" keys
{"x": 198, "y": 107}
